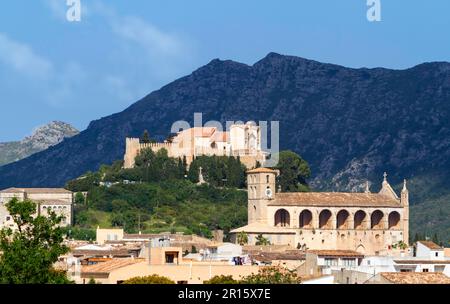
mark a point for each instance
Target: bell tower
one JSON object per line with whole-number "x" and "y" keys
{"x": 261, "y": 190}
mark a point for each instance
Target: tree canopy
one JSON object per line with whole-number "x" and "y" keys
{"x": 30, "y": 251}
{"x": 152, "y": 279}
{"x": 294, "y": 171}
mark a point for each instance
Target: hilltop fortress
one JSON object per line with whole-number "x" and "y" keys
{"x": 243, "y": 140}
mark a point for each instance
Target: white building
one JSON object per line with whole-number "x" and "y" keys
{"x": 429, "y": 250}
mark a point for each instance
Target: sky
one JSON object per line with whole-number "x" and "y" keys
{"x": 120, "y": 51}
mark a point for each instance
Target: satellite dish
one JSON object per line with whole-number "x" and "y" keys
{"x": 269, "y": 193}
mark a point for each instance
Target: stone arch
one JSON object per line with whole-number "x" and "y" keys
{"x": 360, "y": 220}
{"x": 342, "y": 219}
{"x": 394, "y": 220}
{"x": 306, "y": 219}
{"x": 325, "y": 219}
{"x": 282, "y": 218}
{"x": 376, "y": 220}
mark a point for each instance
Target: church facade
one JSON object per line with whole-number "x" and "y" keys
{"x": 366, "y": 222}
{"x": 243, "y": 140}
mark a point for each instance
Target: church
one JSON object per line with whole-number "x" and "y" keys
{"x": 367, "y": 222}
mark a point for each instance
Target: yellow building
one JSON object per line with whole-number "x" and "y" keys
{"x": 243, "y": 140}
{"x": 162, "y": 261}
{"x": 366, "y": 222}
{"x": 57, "y": 200}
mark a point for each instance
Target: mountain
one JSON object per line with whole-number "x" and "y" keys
{"x": 349, "y": 124}
{"x": 43, "y": 137}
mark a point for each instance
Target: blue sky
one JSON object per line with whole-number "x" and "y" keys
{"x": 52, "y": 69}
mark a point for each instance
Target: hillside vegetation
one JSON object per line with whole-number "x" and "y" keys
{"x": 161, "y": 194}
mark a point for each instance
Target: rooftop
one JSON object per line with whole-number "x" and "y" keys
{"x": 340, "y": 199}
{"x": 261, "y": 170}
{"x": 36, "y": 190}
{"x": 416, "y": 277}
{"x": 220, "y": 136}
{"x": 431, "y": 245}
{"x": 290, "y": 255}
{"x": 111, "y": 265}
{"x": 336, "y": 253}
{"x": 417, "y": 261}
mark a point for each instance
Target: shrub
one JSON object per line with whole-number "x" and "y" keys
{"x": 152, "y": 279}
{"x": 221, "y": 279}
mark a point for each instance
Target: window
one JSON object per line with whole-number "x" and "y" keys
{"x": 349, "y": 262}
{"x": 170, "y": 258}
{"x": 436, "y": 254}
{"x": 267, "y": 178}
{"x": 8, "y": 218}
{"x": 331, "y": 262}
{"x": 425, "y": 270}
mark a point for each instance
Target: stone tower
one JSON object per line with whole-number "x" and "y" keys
{"x": 132, "y": 148}
{"x": 404, "y": 200}
{"x": 261, "y": 190}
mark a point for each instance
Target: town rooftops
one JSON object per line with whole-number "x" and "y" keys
{"x": 337, "y": 253}
{"x": 36, "y": 190}
{"x": 416, "y": 277}
{"x": 340, "y": 199}
{"x": 431, "y": 245}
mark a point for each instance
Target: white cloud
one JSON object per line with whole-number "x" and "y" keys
{"x": 57, "y": 7}
{"x": 23, "y": 59}
{"x": 152, "y": 39}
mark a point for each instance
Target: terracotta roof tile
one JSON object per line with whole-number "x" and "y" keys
{"x": 111, "y": 265}
{"x": 336, "y": 253}
{"x": 431, "y": 245}
{"x": 293, "y": 255}
{"x": 36, "y": 190}
{"x": 334, "y": 199}
{"x": 416, "y": 277}
{"x": 261, "y": 170}
{"x": 219, "y": 137}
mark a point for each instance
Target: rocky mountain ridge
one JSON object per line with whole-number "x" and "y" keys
{"x": 42, "y": 138}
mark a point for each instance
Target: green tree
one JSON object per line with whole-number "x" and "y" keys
{"x": 242, "y": 238}
{"x": 435, "y": 239}
{"x": 145, "y": 139}
{"x": 221, "y": 279}
{"x": 79, "y": 198}
{"x": 294, "y": 171}
{"x": 152, "y": 279}
{"x": 29, "y": 252}
{"x": 262, "y": 241}
{"x": 272, "y": 275}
